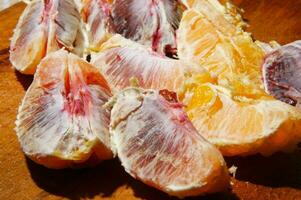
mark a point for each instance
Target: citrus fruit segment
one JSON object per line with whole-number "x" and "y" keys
{"x": 152, "y": 23}
{"x": 158, "y": 145}
{"x": 121, "y": 60}
{"x": 26, "y": 48}
{"x": 240, "y": 125}
{"x": 43, "y": 27}
{"x": 268, "y": 47}
{"x": 223, "y": 15}
{"x": 234, "y": 112}
{"x": 281, "y": 73}
{"x": 225, "y": 51}
{"x": 61, "y": 121}
{"x": 97, "y": 15}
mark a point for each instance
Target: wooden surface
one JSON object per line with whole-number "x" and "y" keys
{"x": 257, "y": 178}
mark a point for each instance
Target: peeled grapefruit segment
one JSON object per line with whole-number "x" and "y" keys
{"x": 61, "y": 121}
{"x": 281, "y": 73}
{"x": 149, "y": 22}
{"x": 121, "y": 60}
{"x": 28, "y": 44}
{"x": 97, "y": 15}
{"x": 45, "y": 26}
{"x": 158, "y": 145}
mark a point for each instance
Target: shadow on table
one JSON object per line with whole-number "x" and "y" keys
{"x": 278, "y": 170}
{"x": 102, "y": 180}
{"x": 25, "y": 80}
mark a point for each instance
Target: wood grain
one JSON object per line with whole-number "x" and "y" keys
{"x": 257, "y": 178}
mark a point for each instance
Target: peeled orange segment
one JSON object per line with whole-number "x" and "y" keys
{"x": 240, "y": 125}
{"x": 226, "y": 16}
{"x": 223, "y": 15}
{"x": 45, "y": 26}
{"x": 61, "y": 121}
{"x": 224, "y": 50}
{"x": 158, "y": 145}
{"x": 232, "y": 111}
{"x": 122, "y": 60}
{"x": 151, "y": 23}
{"x": 281, "y": 73}
{"x": 97, "y": 15}
{"x": 268, "y": 47}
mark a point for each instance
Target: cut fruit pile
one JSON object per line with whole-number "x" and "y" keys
{"x": 78, "y": 112}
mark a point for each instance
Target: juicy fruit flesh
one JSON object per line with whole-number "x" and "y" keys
{"x": 152, "y": 23}
{"x": 44, "y": 27}
{"x": 202, "y": 92}
{"x": 232, "y": 110}
{"x": 223, "y": 16}
{"x": 157, "y": 144}
{"x": 242, "y": 126}
{"x": 97, "y": 15}
{"x": 25, "y": 59}
{"x": 281, "y": 72}
{"x": 61, "y": 120}
{"x": 234, "y": 58}
{"x": 121, "y": 61}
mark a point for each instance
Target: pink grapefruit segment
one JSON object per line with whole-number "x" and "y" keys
{"x": 122, "y": 60}
{"x": 44, "y": 27}
{"x": 97, "y": 15}
{"x": 158, "y": 145}
{"x": 61, "y": 121}
{"x": 151, "y": 23}
{"x": 282, "y": 73}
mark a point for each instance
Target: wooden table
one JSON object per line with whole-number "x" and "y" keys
{"x": 257, "y": 178}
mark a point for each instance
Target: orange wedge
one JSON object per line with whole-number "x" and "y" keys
{"x": 219, "y": 12}
{"x": 232, "y": 111}
{"x": 238, "y": 125}
{"x": 229, "y": 54}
